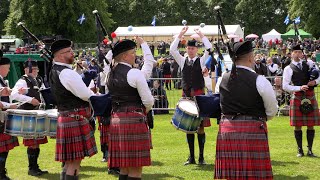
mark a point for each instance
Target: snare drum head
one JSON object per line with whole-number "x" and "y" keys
{"x": 188, "y": 106}
{"x": 22, "y": 112}
{"x": 38, "y": 112}
{"x": 52, "y": 112}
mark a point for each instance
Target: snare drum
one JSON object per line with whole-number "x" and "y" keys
{"x": 186, "y": 117}
{"x": 52, "y": 119}
{"x": 25, "y": 123}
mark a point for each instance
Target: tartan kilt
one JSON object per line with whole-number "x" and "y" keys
{"x": 296, "y": 116}
{"x": 242, "y": 150}
{"x": 7, "y": 142}
{"x": 75, "y": 138}
{"x": 35, "y": 141}
{"x": 104, "y": 132}
{"x": 130, "y": 140}
{"x": 206, "y": 120}
{"x": 167, "y": 76}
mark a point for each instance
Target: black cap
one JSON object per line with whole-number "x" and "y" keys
{"x": 241, "y": 48}
{"x": 123, "y": 46}
{"x": 30, "y": 62}
{"x": 297, "y": 48}
{"x": 193, "y": 43}
{"x": 60, "y": 44}
{"x": 4, "y": 61}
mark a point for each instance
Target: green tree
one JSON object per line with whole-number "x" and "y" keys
{"x": 308, "y": 10}
{"x": 227, "y": 10}
{"x": 260, "y": 16}
{"x": 4, "y": 11}
{"x": 41, "y": 19}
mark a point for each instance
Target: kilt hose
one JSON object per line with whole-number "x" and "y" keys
{"x": 242, "y": 150}
{"x": 7, "y": 142}
{"x": 129, "y": 140}
{"x": 296, "y": 116}
{"x": 35, "y": 141}
{"x": 75, "y": 137}
{"x": 206, "y": 120}
{"x": 104, "y": 131}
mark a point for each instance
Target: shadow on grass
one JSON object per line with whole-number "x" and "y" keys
{"x": 57, "y": 176}
{"x": 157, "y": 163}
{"x": 208, "y": 167}
{"x": 283, "y": 177}
{"x": 93, "y": 168}
{"x": 160, "y": 176}
{"x": 282, "y": 163}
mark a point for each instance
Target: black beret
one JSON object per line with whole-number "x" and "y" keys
{"x": 241, "y": 48}
{"x": 193, "y": 43}
{"x": 29, "y": 62}
{"x": 297, "y": 48}
{"x": 123, "y": 46}
{"x": 4, "y": 61}
{"x": 60, "y": 44}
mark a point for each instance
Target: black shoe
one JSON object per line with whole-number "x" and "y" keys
{"x": 202, "y": 162}
{"x": 34, "y": 172}
{"x": 310, "y": 153}
{"x": 300, "y": 152}
{"x": 113, "y": 171}
{"x": 190, "y": 161}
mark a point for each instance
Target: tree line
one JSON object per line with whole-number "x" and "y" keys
{"x": 59, "y": 17}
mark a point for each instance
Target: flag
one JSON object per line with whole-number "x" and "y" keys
{"x": 81, "y": 19}
{"x": 286, "y": 20}
{"x": 153, "y": 23}
{"x": 297, "y": 20}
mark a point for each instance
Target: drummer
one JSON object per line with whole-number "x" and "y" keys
{"x": 7, "y": 142}
{"x": 193, "y": 83}
{"x": 31, "y": 82}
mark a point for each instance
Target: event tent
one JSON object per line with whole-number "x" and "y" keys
{"x": 166, "y": 33}
{"x": 272, "y": 35}
{"x": 291, "y": 34}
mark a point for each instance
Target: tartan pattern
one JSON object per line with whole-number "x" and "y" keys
{"x": 130, "y": 140}
{"x": 75, "y": 138}
{"x": 242, "y": 150}
{"x": 296, "y": 116}
{"x": 167, "y": 76}
{"x": 35, "y": 141}
{"x": 7, "y": 142}
{"x": 104, "y": 132}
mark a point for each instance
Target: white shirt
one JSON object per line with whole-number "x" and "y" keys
{"x": 274, "y": 68}
{"x": 136, "y": 79}
{"x": 73, "y": 82}
{"x": 266, "y": 91}
{"x": 208, "y": 82}
{"x": 5, "y": 104}
{"x": 21, "y": 97}
{"x": 181, "y": 59}
{"x": 287, "y": 75}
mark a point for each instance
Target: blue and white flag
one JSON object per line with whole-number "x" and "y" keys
{"x": 297, "y": 20}
{"x": 286, "y": 20}
{"x": 153, "y": 23}
{"x": 81, "y": 19}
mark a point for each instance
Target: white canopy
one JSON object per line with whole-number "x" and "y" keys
{"x": 272, "y": 35}
{"x": 170, "y": 31}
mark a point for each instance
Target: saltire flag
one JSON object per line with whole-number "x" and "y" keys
{"x": 297, "y": 20}
{"x": 153, "y": 23}
{"x": 81, "y": 19}
{"x": 286, "y": 20}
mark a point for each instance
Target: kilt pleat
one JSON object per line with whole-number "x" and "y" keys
{"x": 242, "y": 151}
{"x": 297, "y": 118}
{"x": 104, "y": 132}
{"x": 75, "y": 138}
{"x": 35, "y": 141}
{"x": 130, "y": 140}
{"x": 7, "y": 142}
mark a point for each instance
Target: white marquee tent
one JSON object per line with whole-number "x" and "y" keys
{"x": 166, "y": 33}
{"x": 272, "y": 35}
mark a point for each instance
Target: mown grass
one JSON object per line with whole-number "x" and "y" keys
{"x": 170, "y": 152}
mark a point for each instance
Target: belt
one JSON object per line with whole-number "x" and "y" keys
{"x": 73, "y": 113}
{"x": 243, "y": 117}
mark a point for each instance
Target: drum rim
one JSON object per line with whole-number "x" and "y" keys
{"x": 188, "y": 100}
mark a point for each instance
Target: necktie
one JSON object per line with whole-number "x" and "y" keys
{"x": 191, "y": 62}
{"x": 299, "y": 66}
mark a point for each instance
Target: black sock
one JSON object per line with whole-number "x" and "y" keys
{"x": 190, "y": 138}
{"x": 310, "y": 137}
{"x": 298, "y": 136}
{"x": 123, "y": 177}
{"x": 201, "y": 142}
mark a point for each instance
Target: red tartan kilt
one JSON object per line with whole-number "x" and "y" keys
{"x": 206, "y": 120}
{"x": 242, "y": 150}
{"x": 34, "y": 142}
{"x": 167, "y": 76}
{"x": 75, "y": 138}
{"x": 130, "y": 140}
{"x": 104, "y": 132}
{"x": 7, "y": 142}
{"x": 296, "y": 116}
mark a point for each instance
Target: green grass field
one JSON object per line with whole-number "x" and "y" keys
{"x": 170, "y": 152}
